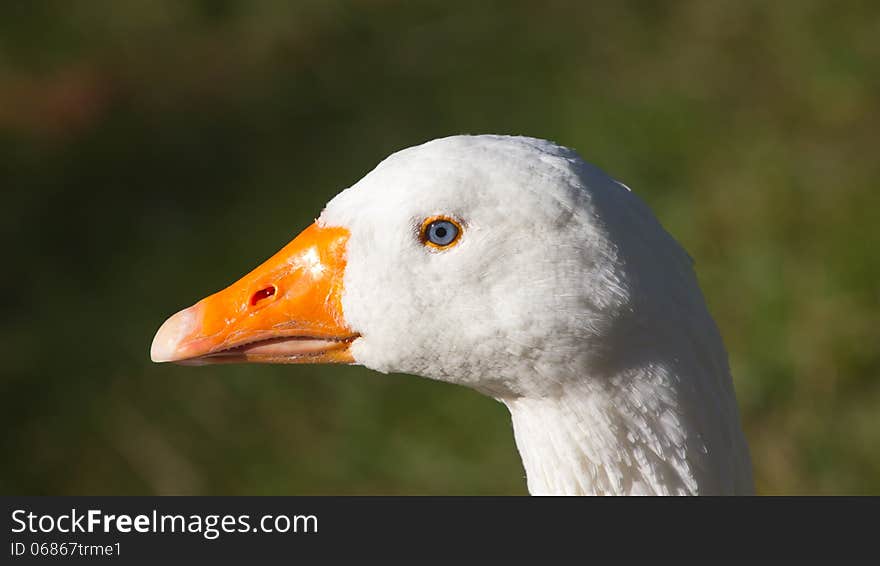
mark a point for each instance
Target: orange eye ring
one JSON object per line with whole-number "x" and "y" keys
{"x": 440, "y": 225}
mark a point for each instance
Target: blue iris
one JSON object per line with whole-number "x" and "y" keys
{"x": 441, "y": 232}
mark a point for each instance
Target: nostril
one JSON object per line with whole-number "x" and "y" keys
{"x": 262, "y": 294}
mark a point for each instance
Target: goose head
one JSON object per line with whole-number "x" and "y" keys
{"x": 511, "y": 266}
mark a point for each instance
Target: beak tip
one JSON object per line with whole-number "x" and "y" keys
{"x": 158, "y": 352}
{"x": 166, "y": 346}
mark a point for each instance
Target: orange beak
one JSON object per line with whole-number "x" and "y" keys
{"x": 288, "y": 310}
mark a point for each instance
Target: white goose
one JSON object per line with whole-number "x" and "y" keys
{"x": 509, "y": 265}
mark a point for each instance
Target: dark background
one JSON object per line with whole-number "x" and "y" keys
{"x": 151, "y": 152}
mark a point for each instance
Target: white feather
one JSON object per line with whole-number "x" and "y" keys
{"x": 565, "y": 299}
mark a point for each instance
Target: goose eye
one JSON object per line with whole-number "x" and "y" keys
{"x": 440, "y": 232}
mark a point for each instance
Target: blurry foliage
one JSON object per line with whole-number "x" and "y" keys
{"x": 153, "y": 151}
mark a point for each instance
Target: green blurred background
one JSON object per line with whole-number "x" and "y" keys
{"x": 153, "y": 151}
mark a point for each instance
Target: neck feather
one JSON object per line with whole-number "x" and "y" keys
{"x": 634, "y": 438}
